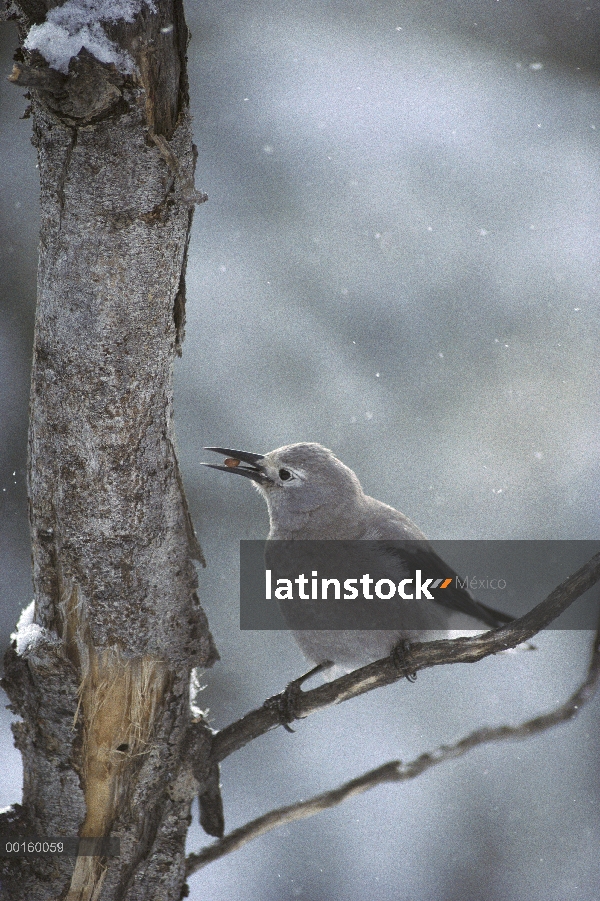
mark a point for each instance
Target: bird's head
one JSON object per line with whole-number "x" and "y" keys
{"x": 295, "y": 479}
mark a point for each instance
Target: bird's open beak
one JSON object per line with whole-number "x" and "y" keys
{"x": 235, "y": 458}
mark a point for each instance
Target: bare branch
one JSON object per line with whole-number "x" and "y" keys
{"x": 283, "y": 815}
{"x": 419, "y": 656}
{"x": 396, "y": 771}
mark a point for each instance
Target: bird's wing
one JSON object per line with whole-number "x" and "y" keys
{"x": 413, "y": 555}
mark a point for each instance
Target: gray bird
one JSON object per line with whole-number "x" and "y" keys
{"x": 311, "y": 495}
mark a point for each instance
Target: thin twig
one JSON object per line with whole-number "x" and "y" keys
{"x": 418, "y": 656}
{"x": 283, "y": 815}
{"x": 396, "y": 771}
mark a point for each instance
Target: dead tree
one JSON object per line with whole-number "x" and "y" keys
{"x": 102, "y": 682}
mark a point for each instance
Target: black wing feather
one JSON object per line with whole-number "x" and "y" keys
{"x": 420, "y": 555}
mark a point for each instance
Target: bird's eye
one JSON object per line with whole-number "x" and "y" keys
{"x": 285, "y": 475}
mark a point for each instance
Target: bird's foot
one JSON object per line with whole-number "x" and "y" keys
{"x": 287, "y": 703}
{"x": 398, "y": 656}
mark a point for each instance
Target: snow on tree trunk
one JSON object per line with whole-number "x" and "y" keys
{"x": 101, "y": 675}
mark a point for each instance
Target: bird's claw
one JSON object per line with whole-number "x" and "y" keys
{"x": 287, "y": 703}
{"x": 398, "y": 656}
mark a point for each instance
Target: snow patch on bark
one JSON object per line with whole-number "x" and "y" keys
{"x": 79, "y": 23}
{"x": 28, "y": 634}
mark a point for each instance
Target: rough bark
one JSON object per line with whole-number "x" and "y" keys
{"x": 103, "y": 688}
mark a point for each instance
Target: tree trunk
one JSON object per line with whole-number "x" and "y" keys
{"x": 101, "y": 678}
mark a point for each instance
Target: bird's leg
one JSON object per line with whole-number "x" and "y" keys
{"x": 398, "y": 656}
{"x": 286, "y": 703}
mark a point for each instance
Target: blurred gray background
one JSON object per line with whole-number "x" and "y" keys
{"x": 399, "y": 259}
